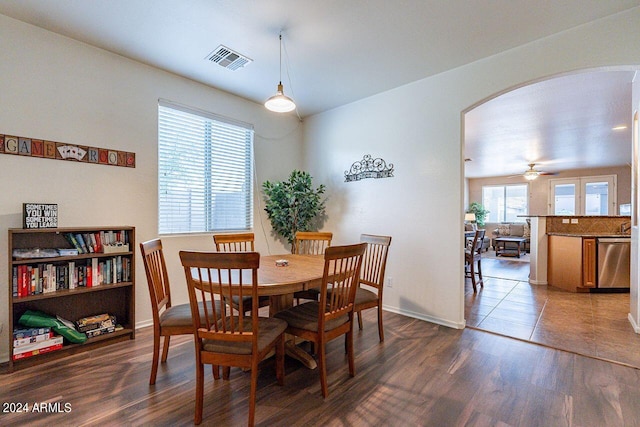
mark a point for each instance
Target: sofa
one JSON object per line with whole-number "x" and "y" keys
{"x": 486, "y": 242}
{"x": 513, "y": 230}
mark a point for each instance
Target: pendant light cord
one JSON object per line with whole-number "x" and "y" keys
{"x": 280, "y": 57}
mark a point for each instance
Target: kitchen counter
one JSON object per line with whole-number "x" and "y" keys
{"x": 589, "y": 235}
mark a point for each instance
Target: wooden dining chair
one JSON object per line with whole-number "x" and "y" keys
{"x": 168, "y": 319}
{"x": 332, "y": 316}
{"x": 374, "y": 264}
{"x": 234, "y": 242}
{"x": 473, "y": 256}
{"x": 310, "y": 243}
{"x": 238, "y": 242}
{"x": 238, "y": 340}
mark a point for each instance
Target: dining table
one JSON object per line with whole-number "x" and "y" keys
{"x": 279, "y": 276}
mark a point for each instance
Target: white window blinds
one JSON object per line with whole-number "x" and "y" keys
{"x": 204, "y": 171}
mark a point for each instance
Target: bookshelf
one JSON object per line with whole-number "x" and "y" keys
{"x": 73, "y": 294}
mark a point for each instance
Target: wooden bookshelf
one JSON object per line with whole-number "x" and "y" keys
{"x": 114, "y": 295}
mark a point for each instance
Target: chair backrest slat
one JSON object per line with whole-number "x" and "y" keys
{"x": 213, "y": 275}
{"x": 341, "y": 271}
{"x": 157, "y": 277}
{"x": 478, "y": 239}
{"x": 236, "y": 242}
{"x": 374, "y": 262}
{"x": 311, "y": 242}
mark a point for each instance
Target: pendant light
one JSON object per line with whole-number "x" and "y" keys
{"x": 280, "y": 103}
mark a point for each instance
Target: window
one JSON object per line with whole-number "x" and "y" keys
{"x": 505, "y": 202}
{"x": 204, "y": 171}
{"x": 592, "y": 195}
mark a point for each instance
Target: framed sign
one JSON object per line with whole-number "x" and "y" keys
{"x": 39, "y": 215}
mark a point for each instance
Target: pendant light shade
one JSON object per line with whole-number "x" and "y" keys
{"x": 280, "y": 103}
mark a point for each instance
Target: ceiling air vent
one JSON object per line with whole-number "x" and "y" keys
{"x": 227, "y": 58}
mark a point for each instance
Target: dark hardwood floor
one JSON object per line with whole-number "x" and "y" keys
{"x": 423, "y": 374}
{"x": 594, "y": 325}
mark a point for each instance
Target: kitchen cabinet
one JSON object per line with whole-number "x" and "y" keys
{"x": 572, "y": 262}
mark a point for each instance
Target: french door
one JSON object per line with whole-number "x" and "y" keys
{"x": 593, "y": 195}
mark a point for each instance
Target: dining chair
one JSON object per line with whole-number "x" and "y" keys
{"x": 374, "y": 264}
{"x": 238, "y": 242}
{"x": 234, "y": 340}
{"x": 332, "y": 316}
{"x": 234, "y": 242}
{"x": 473, "y": 256}
{"x": 168, "y": 319}
{"x": 310, "y": 243}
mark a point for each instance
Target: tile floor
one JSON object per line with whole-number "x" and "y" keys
{"x": 594, "y": 325}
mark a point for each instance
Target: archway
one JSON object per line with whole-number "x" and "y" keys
{"x": 534, "y": 150}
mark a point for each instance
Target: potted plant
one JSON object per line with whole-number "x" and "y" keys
{"x": 293, "y": 205}
{"x": 480, "y": 212}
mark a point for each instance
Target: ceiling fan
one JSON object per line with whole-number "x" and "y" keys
{"x": 531, "y": 173}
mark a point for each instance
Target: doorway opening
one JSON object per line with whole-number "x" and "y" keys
{"x": 556, "y": 125}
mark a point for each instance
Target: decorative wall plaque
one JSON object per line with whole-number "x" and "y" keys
{"x": 369, "y": 167}
{"x": 30, "y": 147}
{"x": 39, "y": 215}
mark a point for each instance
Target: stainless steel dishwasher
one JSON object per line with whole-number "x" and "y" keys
{"x": 614, "y": 262}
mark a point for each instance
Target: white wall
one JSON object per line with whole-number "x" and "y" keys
{"x": 634, "y": 312}
{"x": 55, "y": 88}
{"x": 417, "y": 127}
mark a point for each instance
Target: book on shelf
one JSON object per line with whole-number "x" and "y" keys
{"x": 44, "y": 278}
{"x": 82, "y": 243}
{"x": 36, "y": 348}
{"x": 68, "y": 251}
{"x": 100, "y": 331}
{"x": 95, "y": 322}
{"x": 19, "y": 333}
{"x": 21, "y": 342}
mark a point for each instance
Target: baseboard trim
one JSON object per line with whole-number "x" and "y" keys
{"x": 634, "y": 324}
{"x": 538, "y": 282}
{"x": 426, "y": 318}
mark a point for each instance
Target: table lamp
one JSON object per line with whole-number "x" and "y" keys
{"x": 470, "y": 217}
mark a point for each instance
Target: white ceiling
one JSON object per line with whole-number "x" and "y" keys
{"x": 337, "y": 51}
{"x": 559, "y": 124}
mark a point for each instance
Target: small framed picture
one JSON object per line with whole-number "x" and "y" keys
{"x": 39, "y": 215}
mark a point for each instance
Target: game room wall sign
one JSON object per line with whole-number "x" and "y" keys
{"x": 30, "y": 147}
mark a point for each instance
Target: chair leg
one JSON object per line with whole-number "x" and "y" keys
{"x": 252, "y": 392}
{"x": 156, "y": 356}
{"x": 280, "y": 351}
{"x": 322, "y": 367}
{"x": 481, "y": 280}
{"x": 360, "y": 319}
{"x": 165, "y": 348}
{"x": 199, "y": 391}
{"x": 352, "y": 366}
{"x": 380, "y": 328}
{"x": 226, "y": 370}
{"x": 473, "y": 277}
{"x": 215, "y": 369}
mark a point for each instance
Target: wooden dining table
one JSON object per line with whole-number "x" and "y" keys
{"x": 278, "y": 282}
{"x": 302, "y": 272}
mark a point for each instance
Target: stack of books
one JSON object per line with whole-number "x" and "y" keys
{"x": 94, "y": 326}
{"x": 33, "y": 341}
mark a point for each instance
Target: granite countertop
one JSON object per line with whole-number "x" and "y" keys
{"x": 589, "y": 235}
{"x": 574, "y": 216}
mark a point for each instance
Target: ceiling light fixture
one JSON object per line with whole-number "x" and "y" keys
{"x": 531, "y": 173}
{"x": 280, "y": 103}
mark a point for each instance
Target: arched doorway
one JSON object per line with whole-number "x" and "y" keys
{"x": 558, "y": 124}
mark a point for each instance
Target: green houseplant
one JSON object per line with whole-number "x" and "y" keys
{"x": 293, "y": 205}
{"x": 480, "y": 211}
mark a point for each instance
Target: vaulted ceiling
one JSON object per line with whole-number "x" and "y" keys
{"x": 336, "y": 52}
